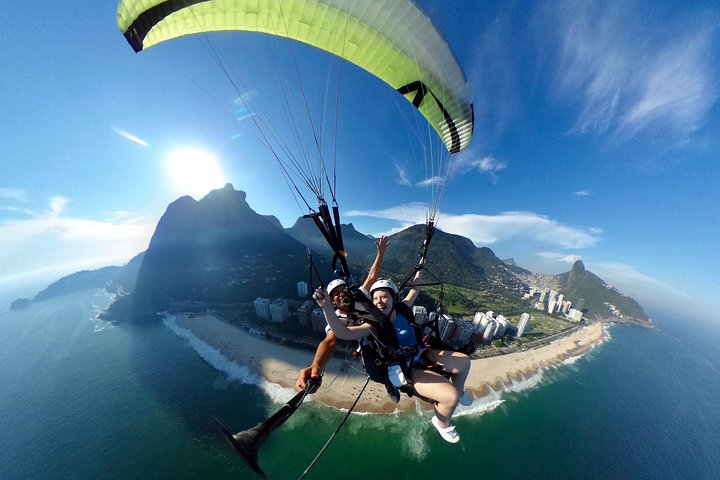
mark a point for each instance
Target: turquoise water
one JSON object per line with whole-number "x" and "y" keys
{"x": 85, "y": 400}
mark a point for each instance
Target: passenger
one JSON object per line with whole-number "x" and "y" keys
{"x": 338, "y": 294}
{"x": 446, "y": 393}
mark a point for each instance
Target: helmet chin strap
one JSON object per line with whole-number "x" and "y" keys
{"x": 395, "y": 299}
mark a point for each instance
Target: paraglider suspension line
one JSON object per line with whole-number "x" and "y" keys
{"x": 342, "y": 422}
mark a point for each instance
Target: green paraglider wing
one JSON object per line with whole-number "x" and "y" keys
{"x": 392, "y": 39}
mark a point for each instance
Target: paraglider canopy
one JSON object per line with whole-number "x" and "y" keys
{"x": 392, "y": 39}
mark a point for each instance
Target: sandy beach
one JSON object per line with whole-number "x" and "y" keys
{"x": 341, "y": 383}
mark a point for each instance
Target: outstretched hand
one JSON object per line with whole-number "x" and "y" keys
{"x": 382, "y": 244}
{"x": 321, "y": 297}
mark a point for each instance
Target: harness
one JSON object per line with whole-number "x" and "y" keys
{"x": 382, "y": 349}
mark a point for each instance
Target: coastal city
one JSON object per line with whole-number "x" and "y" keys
{"x": 481, "y": 328}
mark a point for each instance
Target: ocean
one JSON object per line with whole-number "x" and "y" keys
{"x": 83, "y": 399}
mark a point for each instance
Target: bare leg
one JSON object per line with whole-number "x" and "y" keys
{"x": 436, "y": 387}
{"x": 455, "y": 363}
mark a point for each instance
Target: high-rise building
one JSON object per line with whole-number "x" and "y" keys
{"x": 502, "y": 325}
{"x": 318, "y": 320}
{"x": 462, "y": 335}
{"x": 552, "y": 304}
{"x": 575, "y": 315}
{"x": 522, "y": 324}
{"x": 421, "y": 314}
{"x": 262, "y": 308}
{"x": 446, "y": 327}
{"x": 480, "y": 321}
{"x": 304, "y": 313}
{"x": 552, "y": 296}
{"x": 489, "y": 330}
{"x": 302, "y": 289}
{"x": 580, "y": 304}
{"x": 565, "y": 307}
{"x": 279, "y": 310}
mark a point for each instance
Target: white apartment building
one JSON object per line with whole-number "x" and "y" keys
{"x": 318, "y": 320}
{"x": 421, "y": 314}
{"x": 304, "y": 313}
{"x": 262, "y": 308}
{"x": 575, "y": 315}
{"x": 551, "y": 306}
{"x": 502, "y": 325}
{"x": 489, "y": 331}
{"x": 279, "y": 310}
{"x": 522, "y": 324}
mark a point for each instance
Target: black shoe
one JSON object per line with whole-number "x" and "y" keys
{"x": 393, "y": 393}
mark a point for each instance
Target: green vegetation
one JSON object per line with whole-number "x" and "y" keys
{"x": 543, "y": 324}
{"x": 463, "y": 302}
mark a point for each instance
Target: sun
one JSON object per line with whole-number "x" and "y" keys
{"x": 194, "y": 172}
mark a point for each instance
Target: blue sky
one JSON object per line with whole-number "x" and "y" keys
{"x": 596, "y": 138}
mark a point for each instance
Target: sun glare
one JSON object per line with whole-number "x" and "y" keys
{"x": 194, "y": 172}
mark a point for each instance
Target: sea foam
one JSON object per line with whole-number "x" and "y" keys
{"x": 100, "y": 302}
{"x": 234, "y": 371}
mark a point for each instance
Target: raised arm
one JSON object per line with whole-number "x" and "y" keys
{"x": 336, "y": 325}
{"x": 414, "y": 290}
{"x": 372, "y": 275}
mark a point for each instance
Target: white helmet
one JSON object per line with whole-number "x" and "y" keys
{"x": 334, "y": 284}
{"x": 385, "y": 283}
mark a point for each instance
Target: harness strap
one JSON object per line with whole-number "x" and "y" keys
{"x": 312, "y": 269}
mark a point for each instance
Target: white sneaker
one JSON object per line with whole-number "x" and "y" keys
{"x": 448, "y": 434}
{"x": 465, "y": 400}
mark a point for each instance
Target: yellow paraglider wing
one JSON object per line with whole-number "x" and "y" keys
{"x": 392, "y": 39}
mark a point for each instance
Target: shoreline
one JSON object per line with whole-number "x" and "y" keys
{"x": 280, "y": 365}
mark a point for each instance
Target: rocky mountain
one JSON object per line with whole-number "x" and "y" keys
{"x": 357, "y": 245}
{"x": 453, "y": 259}
{"x": 601, "y": 299}
{"x": 220, "y": 251}
{"x": 75, "y": 282}
{"x": 113, "y": 279}
{"x": 514, "y": 267}
{"x": 216, "y": 250}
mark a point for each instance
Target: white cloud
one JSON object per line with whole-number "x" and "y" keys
{"x": 629, "y": 74}
{"x": 51, "y": 240}
{"x": 559, "y": 257}
{"x": 676, "y": 88}
{"x": 487, "y": 164}
{"x": 14, "y": 200}
{"x": 409, "y": 213}
{"x": 491, "y": 229}
{"x": 130, "y": 136}
{"x": 582, "y": 193}
{"x": 433, "y": 182}
{"x": 15, "y": 194}
{"x": 401, "y": 176}
{"x": 57, "y": 205}
{"x": 624, "y": 274}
